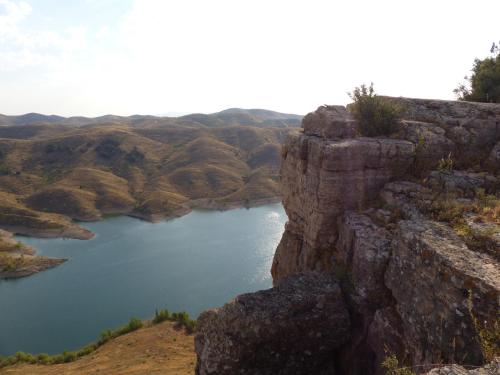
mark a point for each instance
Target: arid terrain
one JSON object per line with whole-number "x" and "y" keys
{"x": 18, "y": 260}
{"x": 54, "y": 170}
{"x": 160, "y": 349}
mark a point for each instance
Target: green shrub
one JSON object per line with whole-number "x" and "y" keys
{"x": 484, "y": 83}
{"x": 59, "y": 358}
{"x": 87, "y": 350}
{"x": 391, "y": 364}
{"x": 69, "y": 356}
{"x": 44, "y": 359}
{"x": 106, "y": 335}
{"x": 134, "y": 324}
{"x": 161, "y": 316}
{"x": 376, "y": 116}
{"x": 182, "y": 318}
{"x": 25, "y": 357}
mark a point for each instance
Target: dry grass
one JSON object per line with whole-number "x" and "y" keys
{"x": 152, "y": 170}
{"x": 159, "y": 349}
{"x": 466, "y": 218}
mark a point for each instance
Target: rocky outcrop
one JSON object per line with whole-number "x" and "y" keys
{"x": 332, "y": 121}
{"x": 321, "y": 180}
{"x": 399, "y": 236}
{"x": 441, "y": 289}
{"x": 491, "y": 369}
{"x": 474, "y": 125}
{"x": 292, "y": 328}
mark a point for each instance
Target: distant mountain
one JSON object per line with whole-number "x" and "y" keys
{"x": 261, "y": 113}
{"x": 228, "y": 117}
{"x": 29, "y": 119}
{"x": 245, "y": 117}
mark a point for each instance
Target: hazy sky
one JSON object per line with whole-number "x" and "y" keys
{"x": 93, "y": 57}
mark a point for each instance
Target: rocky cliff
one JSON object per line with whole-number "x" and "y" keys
{"x": 407, "y": 227}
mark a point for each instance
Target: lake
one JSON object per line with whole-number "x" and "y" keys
{"x": 133, "y": 267}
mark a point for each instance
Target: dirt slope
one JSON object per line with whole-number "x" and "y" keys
{"x": 160, "y": 349}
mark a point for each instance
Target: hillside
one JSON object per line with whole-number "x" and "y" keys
{"x": 152, "y": 168}
{"x": 158, "y": 349}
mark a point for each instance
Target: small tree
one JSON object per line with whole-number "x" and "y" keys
{"x": 484, "y": 83}
{"x": 376, "y": 116}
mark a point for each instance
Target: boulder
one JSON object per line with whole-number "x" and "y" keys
{"x": 330, "y": 121}
{"x": 293, "y": 328}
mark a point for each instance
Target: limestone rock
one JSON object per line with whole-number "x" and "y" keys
{"x": 332, "y": 121}
{"x": 491, "y": 369}
{"x": 442, "y": 289}
{"x": 403, "y": 195}
{"x": 323, "y": 178}
{"x": 364, "y": 254}
{"x": 358, "y": 208}
{"x": 431, "y": 141}
{"x": 292, "y": 328}
{"x": 474, "y": 123}
{"x": 470, "y": 129}
{"x": 463, "y": 183}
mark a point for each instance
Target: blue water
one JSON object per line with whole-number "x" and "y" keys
{"x": 131, "y": 268}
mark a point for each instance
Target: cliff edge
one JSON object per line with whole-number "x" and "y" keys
{"x": 407, "y": 227}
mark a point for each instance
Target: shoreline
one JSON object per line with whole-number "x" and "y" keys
{"x": 77, "y": 232}
{"x": 18, "y": 260}
{"x": 203, "y": 204}
{"x": 34, "y": 264}
{"x": 81, "y": 233}
{"x": 37, "y": 264}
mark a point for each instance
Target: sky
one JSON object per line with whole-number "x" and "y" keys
{"x": 124, "y": 57}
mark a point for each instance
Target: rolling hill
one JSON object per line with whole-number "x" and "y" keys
{"x": 54, "y": 169}
{"x": 228, "y": 117}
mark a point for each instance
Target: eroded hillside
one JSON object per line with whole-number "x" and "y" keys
{"x": 53, "y": 169}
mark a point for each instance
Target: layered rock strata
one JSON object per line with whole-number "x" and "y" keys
{"x": 418, "y": 281}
